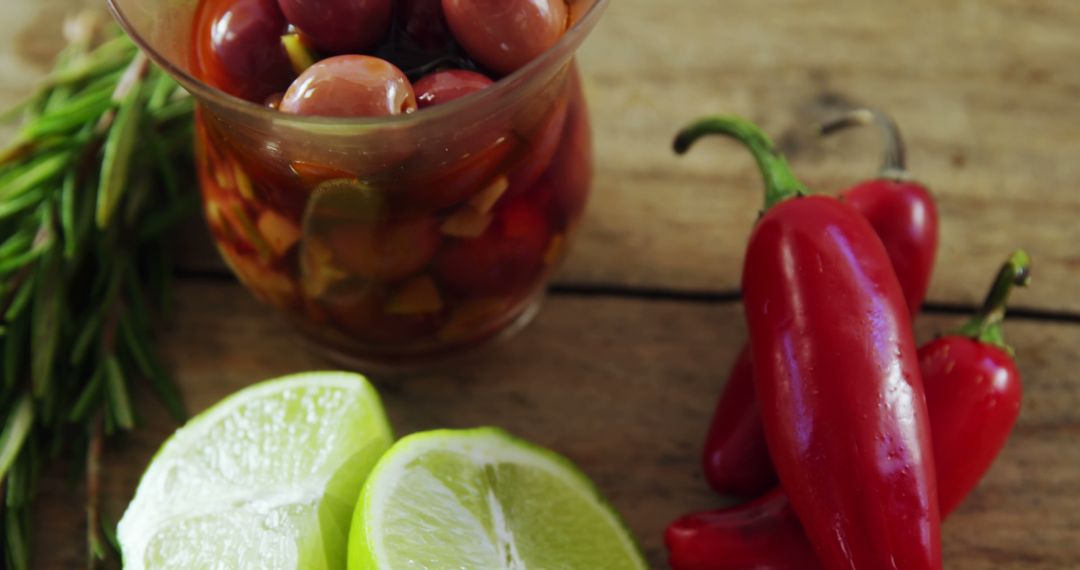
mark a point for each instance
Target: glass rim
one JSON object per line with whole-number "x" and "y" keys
{"x": 203, "y": 91}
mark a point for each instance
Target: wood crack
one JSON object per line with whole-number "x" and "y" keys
{"x": 703, "y": 296}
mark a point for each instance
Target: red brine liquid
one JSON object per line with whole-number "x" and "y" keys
{"x": 409, "y": 255}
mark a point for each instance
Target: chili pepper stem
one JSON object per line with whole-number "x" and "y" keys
{"x": 894, "y": 159}
{"x": 780, "y": 181}
{"x": 985, "y": 325}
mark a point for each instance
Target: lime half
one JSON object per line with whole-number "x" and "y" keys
{"x": 484, "y": 499}
{"x": 268, "y": 478}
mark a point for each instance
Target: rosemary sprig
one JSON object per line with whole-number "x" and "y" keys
{"x": 87, "y": 190}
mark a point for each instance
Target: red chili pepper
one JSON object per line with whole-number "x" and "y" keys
{"x": 763, "y": 534}
{"x": 836, "y": 373}
{"x": 901, "y": 210}
{"x": 973, "y": 393}
{"x": 973, "y": 390}
{"x": 735, "y": 459}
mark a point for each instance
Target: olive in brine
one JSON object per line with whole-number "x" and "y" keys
{"x": 504, "y": 35}
{"x": 340, "y": 26}
{"x": 350, "y": 86}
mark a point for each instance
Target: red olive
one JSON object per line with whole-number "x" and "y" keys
{"x": 443, "y": 86}
{"x": 274, "y": 100}
{"x": 540, "y": 147}
{"x": 505, "y": 259}
{"x": 340, "y": 26}
{"x": 423, "y": 24}
{"x": 238, "y": 48}
{"x": 361, "y": 313}
{"x": 570, "y": 172}
{"x": 350, "y": 86}
{"x": 504, "y": 35}
{"x": 388, "y": 251}
{"x": 437, "y": 187}
{"x": 577, "y": 9}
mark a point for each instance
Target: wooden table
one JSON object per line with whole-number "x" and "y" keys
{"x": 620, "y": 370}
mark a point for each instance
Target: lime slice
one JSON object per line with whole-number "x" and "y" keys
{"x": 484, "y": 499}
{"x": 268, "y": 478}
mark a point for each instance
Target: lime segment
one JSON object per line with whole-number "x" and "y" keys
{"x": 267, "y": 478}
{"x": 484, "y": 499}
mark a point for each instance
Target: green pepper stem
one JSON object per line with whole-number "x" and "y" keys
{"x": 894, "y": 158}
{"x": 780, "y": 181}
{"x": 985, "y": 324}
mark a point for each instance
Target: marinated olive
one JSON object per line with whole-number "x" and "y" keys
{"x": 350, "y": 86}
{"x": 423, "y": 24}
{"x": 456, "y": 181}
{"x": 570, "y": 173}
{"x": 504, "y": 35}
{"x": 274, "y": 100}
{"x": 541, "y": 146}
{"x": 506, "y": 259}
{"x": 443, "y": 86}
{"x": 238, "y": 48}
{"x": 340, "y": 26}
{"x": 361, "y": 313}
{"x": 386, "y": 252}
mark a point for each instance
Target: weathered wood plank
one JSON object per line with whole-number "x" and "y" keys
{"x": 624, "y": 388}
{"x": 988, "y": 94}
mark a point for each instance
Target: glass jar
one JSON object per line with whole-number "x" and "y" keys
{"x": 395, "y": 241}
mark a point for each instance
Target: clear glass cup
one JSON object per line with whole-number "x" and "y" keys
{"x": 399, "y": 241}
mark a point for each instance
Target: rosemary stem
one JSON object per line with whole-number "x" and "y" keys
{"x": 96, "y": 550}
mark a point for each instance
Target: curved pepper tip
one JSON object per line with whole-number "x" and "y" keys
{"x": 780, "y": 181}
{"x": 683, "y": 141}
{"x": 894, "y": 159}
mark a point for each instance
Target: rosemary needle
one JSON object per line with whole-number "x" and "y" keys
{"x": 83, "y": 270}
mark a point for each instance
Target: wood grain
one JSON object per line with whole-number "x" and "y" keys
{"x": 624, "y": 388}
{"x": 987, "y": 92}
